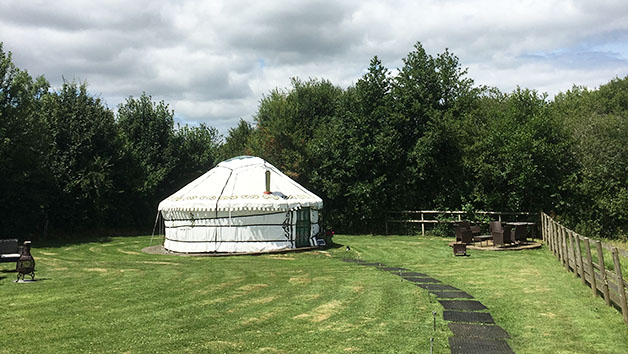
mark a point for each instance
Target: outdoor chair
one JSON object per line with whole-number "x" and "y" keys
{"x": 465, "y": 225}
{"x": 520, "y": 233}
{"x": 502, "y": 234}
{"x": 466, "y": 236}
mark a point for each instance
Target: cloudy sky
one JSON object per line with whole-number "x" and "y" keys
{"x": 213, "y": 60}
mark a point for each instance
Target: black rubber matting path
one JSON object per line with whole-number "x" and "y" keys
{"x": 463, "y": 316}
{"x": 437, "y": 287}
{"x": 452, "y": 295}
{"x": 465, "y": 305}
{"x": 477, "y": 330}
{"x": 464, "y": 345}
{"x": 474, "y": 332}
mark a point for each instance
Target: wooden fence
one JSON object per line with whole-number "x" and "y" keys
{"x": 430, "y": 216}
{"x": 567, "y": 246}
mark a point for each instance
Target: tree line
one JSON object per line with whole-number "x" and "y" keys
{"x": 421, "y": 137}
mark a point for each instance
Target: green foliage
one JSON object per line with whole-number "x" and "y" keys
{"x": 196, "y": 149}
{"x": 422, "y": 138}
{"x": 519, "y": 155}
{"x": 236, "y": 141}
{"x": 24, "y": 148}
{"x": 84, "y": 153}
{"x": 597, "y": 121}
{"x": 286, "y": 121}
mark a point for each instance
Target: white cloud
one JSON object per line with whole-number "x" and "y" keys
{"x": 213, "y": 60}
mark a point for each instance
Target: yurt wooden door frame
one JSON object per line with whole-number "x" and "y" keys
{"x": 303, "y": 227}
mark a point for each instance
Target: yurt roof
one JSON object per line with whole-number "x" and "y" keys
{"x": 239, "y": 184}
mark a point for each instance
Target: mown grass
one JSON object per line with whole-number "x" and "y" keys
{"x": 110, "y": 297}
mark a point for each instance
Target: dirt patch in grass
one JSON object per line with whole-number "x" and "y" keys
{"x": 299, "y": 280}
{"x": 322, "y": 312}
{"x": 251, "y": 287}
{"x": 279, "y": 256}
{"x": 47, "y": 253}
{"x": 252, "y": 320}
{"x": 160, "y": 262}
{"x": 264, "y": 300}
{"x": 357, "y": 288}
{"x": 100, "y": 270}
{"x": 128, "y": 252}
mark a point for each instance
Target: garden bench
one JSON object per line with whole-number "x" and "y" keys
{"x": 9, "y": 250}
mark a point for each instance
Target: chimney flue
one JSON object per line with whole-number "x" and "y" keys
{"x": 267, "y": 191}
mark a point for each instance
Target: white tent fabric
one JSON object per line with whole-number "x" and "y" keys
{"x": 226, "y": 210}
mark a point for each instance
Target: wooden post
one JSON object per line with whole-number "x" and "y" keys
{"x": 559, "y": 244}
{"x": 565, "y": 247}
{"x": 422, "y": 225}
{"x": 587, "y": 247}
{"x": 582, "y": 275}
{"x": 554, "y": 238}
{"x": 600, "y": 260}
{"x": 571, "y": 249}
{"x": 620, "y": 284}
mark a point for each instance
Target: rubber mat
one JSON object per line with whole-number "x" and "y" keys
{"x": 477, "y": 330}
{"x": 465, "y": 305}
{"x": 461, "y": 316}
{"x": 370, "y": 264}
{"x": 438, "y": 287}
{"x": 452, "y": 295}
{"x": 422, "y": 280}
{"x": 465, "y": 345}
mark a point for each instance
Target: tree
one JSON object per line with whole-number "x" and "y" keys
{"x": 286, "y": 121}
{"x": 147, "y": 135}
{"x": 353, "y": 151}
{"x": 24, "y": 147}
{"x": 237, "y": 140}
{"x": 196, "y": 149}
{"x": 84, "y": 154}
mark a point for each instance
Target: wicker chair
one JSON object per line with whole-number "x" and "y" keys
{"x": 502, "y": 234}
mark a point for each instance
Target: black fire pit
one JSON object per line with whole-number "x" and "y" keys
{"x": 26, "y": 262}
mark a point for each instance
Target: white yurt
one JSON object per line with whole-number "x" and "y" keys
{"x": 242, "y": 205}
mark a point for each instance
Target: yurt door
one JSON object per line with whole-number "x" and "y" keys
{"x": 303, "y": 228}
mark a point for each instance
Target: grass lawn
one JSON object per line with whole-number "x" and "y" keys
{"x": 109, "y": 297}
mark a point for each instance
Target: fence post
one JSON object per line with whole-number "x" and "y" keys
{"x": 582, "y": 276}
{"x": 587, "y": 247}
{"x": 600, "y": 259}
{"x": 565, "y": 247}
{"x": 570, "y": 235}
{"x": 422, "y": 225}
{"x": 620, "y": 284}
{"x": 554, "y": 237}
{"x": 559, "y": 244}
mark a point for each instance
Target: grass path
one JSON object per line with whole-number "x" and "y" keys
{"x": 110, "y": 297}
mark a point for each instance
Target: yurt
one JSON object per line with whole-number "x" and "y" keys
{"x": 242, "y": 205}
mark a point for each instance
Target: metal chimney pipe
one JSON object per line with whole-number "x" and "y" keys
{"x": 267, "y": 191}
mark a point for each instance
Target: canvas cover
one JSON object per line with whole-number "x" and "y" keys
{"x": 226, "y": 210}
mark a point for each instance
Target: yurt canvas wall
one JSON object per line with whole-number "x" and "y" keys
{"x": 227, "y": 210}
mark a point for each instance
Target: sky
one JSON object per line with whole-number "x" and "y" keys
{"x": 212, "y": 61}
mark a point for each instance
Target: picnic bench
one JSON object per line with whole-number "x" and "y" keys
{"x": 9, "y": 250}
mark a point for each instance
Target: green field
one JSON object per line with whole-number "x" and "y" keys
{"x": 108, "y": 296}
